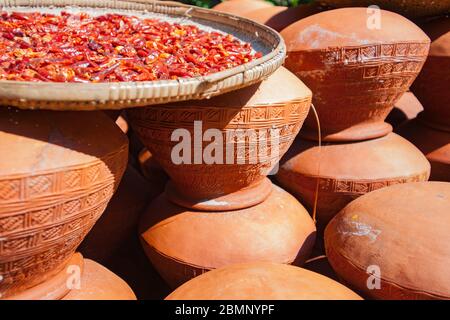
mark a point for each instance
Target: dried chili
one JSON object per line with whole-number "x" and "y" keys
{"x": 108, "y": 48}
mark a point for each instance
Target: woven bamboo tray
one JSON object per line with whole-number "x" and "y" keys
{"x": 119, "y": 95}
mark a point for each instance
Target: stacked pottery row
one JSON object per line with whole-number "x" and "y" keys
{"x": 218, "y": 207}
{"x": 53, "y": 188}
{"x": 357, "y": 75}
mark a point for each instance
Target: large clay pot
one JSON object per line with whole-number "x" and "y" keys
{"x": 58, "y": 170}
{"x": 399, "y": 233}
{"x": 407, "y": 108}
{"x": 345, "y": 171}
{"x": 432, "y": 85}
{"x": 435, "y": 144}
{"x": 357, "y": 73}
{"x": 279, "y": 17}
{"x": 239, "y": 7}
{"x": 278, "y": 104}
{"x": 409, "y": 8}
{"x": 183, "y": 244}
{"x": 262, "y": 281}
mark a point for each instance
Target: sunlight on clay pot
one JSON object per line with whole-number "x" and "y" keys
{"x": 58, "y": 170}
{"x": 275, "y": 107}
{"x": 279, "y": 17}
{"x": 183, "y": 244}
{"x": 262, "y": 281}
{"x": 400, "y": 235}
{"x": 239, "y": 7}
{"x": 346, "y": 171}
{"x": 409, "y": 8}
{"x": 432, "y": 86}
{"x": 357, "y": 73}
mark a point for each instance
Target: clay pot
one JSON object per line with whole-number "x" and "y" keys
{"x": 357, "y": 73}
{"x": 435, "y": 144}
{"x": 99, "y": 283}
{"x": 262, "y": 281}
{"x": 58, "y": 170}
{"x": 409, "y": 8}
{"x": 279, "y": 104}
{"x": 279, "y": 17}
{"x": 433, "y": 83}
{"x": 183, "y": 244}
{"x": 240, "y": 7}
{"x": 407, "y": 108}
{"x": 401, "y": 234}
{"x": 346, "y": 171}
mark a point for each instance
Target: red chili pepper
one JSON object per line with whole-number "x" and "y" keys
{"x": 82, "y": 48}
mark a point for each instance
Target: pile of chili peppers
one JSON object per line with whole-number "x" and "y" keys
{"x": 109, "y": 48}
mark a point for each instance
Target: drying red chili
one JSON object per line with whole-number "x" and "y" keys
{"x": 112, "y": 47}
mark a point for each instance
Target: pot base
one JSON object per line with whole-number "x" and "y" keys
{"x": 346, "y": 171}
{"x": 355, "y": 133}
{"x": 244, "y": 198}
{"x": 183, "y": 243}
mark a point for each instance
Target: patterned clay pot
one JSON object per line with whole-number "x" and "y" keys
{"x": 57, "y": 174}
{"x": 357, "y": 73}
{"x": 435, "y": 144}
{"x": 345, "y": 171}
{"x": 409, "y": 8}
{"x": 279, "y": 17}
{"x": 432, "y": 86}
{"x": 400, "y": 234}
{"x": 262, "y": 281}
{"x": 276, "y": 108}
{"x": 239, "y": 7}
{"x": 182, "y": 244}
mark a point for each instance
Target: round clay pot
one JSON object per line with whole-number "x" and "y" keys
{"x": 235, "y": 179}
{"x": 407, "y": 108}
{"x": 240, "y": 7}
{"x": 99, "y": 283}
{"x": 409, "y": 8}
{"x": 432, "y": 85}
{"x": 58, "y": 170}
{"x": 279, "y": 17}
{"x": 435, "y": 144}
{"x": 401, "y": 234}
{"x": 345, "y": 171}
{"x": 357, "y": 73}
{"x": 183, "y": 244}
{"x": 262, "y": 281}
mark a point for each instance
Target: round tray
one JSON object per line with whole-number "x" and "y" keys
{"x": 119, "y": 95}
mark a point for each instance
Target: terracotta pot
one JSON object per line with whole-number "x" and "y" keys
{"x": 57, "y": 174}
{"x": 433, "y": 83}
{"x": 262, "y": 281}
{"x": 346, "y": 171}
{"x": 183, "y": 244}
{"x": 99, "y": 283}
{"x": 239, "y": 7}
{"x": 357, "y": 74}
{"x": 279, "y": 17}
{"x": 401, "y": 234}
{"x": 278, "y": 104}
{"x": 407, "y": 108}
{"x": 409, "y": 8}
{"x": 435, "y": 144}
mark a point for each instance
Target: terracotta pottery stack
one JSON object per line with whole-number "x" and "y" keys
{"x": 357, "y": 75}
{"x": 216, "y": 213}
{"x": 394, "y": 243}
{"x": 57, "y": 176}
{"x": 431, "y": 131}
{"x": 262, "y": 281}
